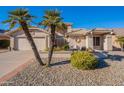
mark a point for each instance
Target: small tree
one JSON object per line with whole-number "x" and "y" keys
{"x": 23, "y": 18}
{"x": 120, "y": 40}
{"x": 53, "y": 21}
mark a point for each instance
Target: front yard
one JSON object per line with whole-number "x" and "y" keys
{"x": 62, "y": 73}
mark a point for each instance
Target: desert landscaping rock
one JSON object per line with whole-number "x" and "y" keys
{"x": 62, "y": 73}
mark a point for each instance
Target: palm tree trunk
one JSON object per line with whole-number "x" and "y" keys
{"x": 31, "y": 41}
{"x": 52, "y": 43}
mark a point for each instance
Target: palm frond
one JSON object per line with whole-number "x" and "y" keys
{"x": 12, "y": 25}
{"x": 120, "y": 40}
{"x": 7, "y": 21}
{"x": 19, "y": 12}
{"x": 53, "y": 17}
{"x": 17, "y": 16}
{"x": 52, "y": 12}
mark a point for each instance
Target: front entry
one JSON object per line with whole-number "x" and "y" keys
{"x": 97, "y": 42}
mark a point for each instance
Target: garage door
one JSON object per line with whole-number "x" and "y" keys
{"x": 23, "y": 43}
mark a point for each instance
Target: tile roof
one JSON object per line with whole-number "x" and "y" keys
{"x": 31, "y": 29}
{"x": 68, "y": 24}
{"x": 3, "y": 37}
{"x": 78, "y": 32}
{"x": 119, "y": 31}
{"x": 102, "y": 29}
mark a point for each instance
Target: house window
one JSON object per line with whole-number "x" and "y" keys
{"x": 96, "y": 41}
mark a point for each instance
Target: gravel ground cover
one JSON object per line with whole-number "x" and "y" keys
{"x": 61, "y": 73}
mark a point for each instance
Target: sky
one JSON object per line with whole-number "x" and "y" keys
{"x": 80, "y": 16}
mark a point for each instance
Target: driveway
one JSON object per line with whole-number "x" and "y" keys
{"x": 11, "y": 60}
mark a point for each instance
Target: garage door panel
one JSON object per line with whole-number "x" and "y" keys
{"x": 23, "y": 43}
{"x": 40, "y": 43}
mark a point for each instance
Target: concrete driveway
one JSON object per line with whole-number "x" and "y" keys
{"x": 12, "y": 60}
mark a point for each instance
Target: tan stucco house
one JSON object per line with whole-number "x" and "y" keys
{"x": 98, "y": 38}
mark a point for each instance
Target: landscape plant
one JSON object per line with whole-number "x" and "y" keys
{"x": 83, "y": 60}
{"x": 120, "y": 40}
{"x": 66, "y": 47}
{"x": 53, "y": 21}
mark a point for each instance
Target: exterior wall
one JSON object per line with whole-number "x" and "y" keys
{"x": 115, "y": 45}
{"x": 12, "y": 43}
{"x": 89, "y": 41}
{"x": 72, "y": 42}
{"x": 69, "y": 28}
{"x": 108, "y": 43}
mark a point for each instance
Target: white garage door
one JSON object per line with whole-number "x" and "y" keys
{"x": 23, "y": 43}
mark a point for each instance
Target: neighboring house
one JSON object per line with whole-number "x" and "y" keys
{"x": 4, "y": 41}
{"x": 98, "y": 38}
{"x": 4, "y": 37}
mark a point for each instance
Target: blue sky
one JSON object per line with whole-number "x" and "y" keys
{"x": 81, "y": 16}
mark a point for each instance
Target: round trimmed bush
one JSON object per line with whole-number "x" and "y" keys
{"x": 83, "y": 60}
{"x": 66, "y": 47}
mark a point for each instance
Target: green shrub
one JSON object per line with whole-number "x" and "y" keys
{"x": 83, "y": 60}
{"x": 66, "y": 47}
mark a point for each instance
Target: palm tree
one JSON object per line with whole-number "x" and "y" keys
{"x": 120, "y": 40}
{"x": 21, "y": 17}
{"x": 53, "y": 21}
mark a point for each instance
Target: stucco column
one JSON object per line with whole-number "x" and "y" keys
{"x": 89, "y": 41}
{"x": 11, "y": 43}
{"x": 108, "y": 43}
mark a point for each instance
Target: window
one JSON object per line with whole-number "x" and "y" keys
{"x": 96, "y": 41}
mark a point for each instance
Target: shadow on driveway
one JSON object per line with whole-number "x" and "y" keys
{"x": 116, "y": 57}
{"x": 102, "y": 64}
